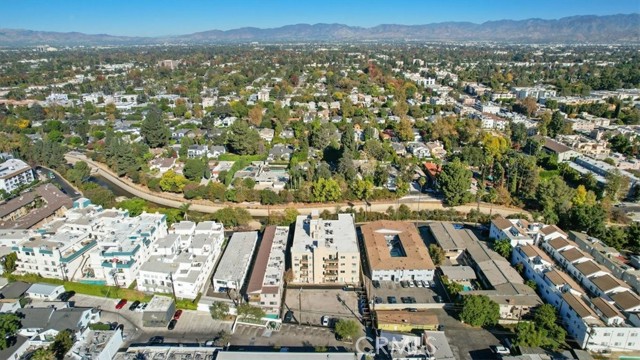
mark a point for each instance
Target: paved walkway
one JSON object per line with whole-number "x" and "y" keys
{"x": 205, "y": 206}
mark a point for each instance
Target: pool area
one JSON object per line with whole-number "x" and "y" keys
{"x": 395, "y": 246}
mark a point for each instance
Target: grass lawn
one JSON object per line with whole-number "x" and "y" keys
{"x": 546, "y": 174}
{"x": 113, "y": 292}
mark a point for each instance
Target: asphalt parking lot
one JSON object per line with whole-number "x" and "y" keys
{"x": 466, "y": 342}
{"x": 192, "y": 325}
{"x": 390, "y": 288}
{"x": 310, "y": 305}
{"x": 290, "y": 335}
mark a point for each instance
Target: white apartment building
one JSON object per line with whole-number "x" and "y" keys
{"x": 489, "y": 108}
{"x": 15, "y": 173}
{"x": 522, "y": 232}
{"x": 182, "y": 259}
{"x": 534, "y": 92}
{"x": 123, "y": 245}
{"x": 91, "y": 245}
{"x": 395, "y": 252}
{"x": 325, "y": 251}
{"x": 267, "y": 278}
{"x": 234, "y": 264}
{"x": 597, "y": 310}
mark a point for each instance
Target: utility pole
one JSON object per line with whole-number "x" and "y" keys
{"x": 300, "y": 306}
{"x": 173, "y": 289}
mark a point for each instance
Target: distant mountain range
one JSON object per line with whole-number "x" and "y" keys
{"x": 623, "y": 28}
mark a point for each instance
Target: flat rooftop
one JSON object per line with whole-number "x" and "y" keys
{"x": 13, "y": 167}
{"x": 268, "y": 269}
{"x": 446, "y": 236}
{"x": 395, "y": 245}
{"x": 313, "y": 231}
{"x": 237, "y": 256}
{"x": 159, "y": 303}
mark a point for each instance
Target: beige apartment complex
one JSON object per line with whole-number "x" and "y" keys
{"x": 325, "y": 251}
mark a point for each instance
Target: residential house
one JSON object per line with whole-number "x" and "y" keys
{"x": 267, "y": 134}
{"x": 280, "y": 152}
{"x": 162, "y": 164}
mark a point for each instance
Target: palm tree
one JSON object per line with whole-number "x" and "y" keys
{"x": 184, "y": 209}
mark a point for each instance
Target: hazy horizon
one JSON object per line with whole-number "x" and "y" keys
{"x": 163, "y": 18}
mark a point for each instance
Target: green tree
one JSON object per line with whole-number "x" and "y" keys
{"x": 135, "y": 206}
{"x": 55, "y": 136}
{"x": 268, "y": 197}
{"x": 250, "y": 311}
{"x": 9, "y": 325}
{"x": 326, "y": 190}
{"x": 405, "y": 130}
{"x": 545, "y": 316}
{"x": 347, "y": 140}
{"x": 153, "y": 129}
{"x": 347, "y": 329}
{"x": 99, "y": 195}
{"x": 9, "y": 262}
{"x": 79, "y": 174}
{"x": 503, "y": 247}
{"x": 616, "y": 186}
{"x": 172, "y": 181}
{"x": 479, "y": 310}
{"x": 232, "y": 217}
{"x": 43, "y": 354}
{"x": 436, "y": 253}
{"x": 243, "y": 140}
{"x": 194, "y": 169}
{"x": 62, "y": 344}
{"x": 219, "y": 310}
{"x": 362, "y": 189}
{"x": 346, "y": 167}
{"x": 454, "y": 181}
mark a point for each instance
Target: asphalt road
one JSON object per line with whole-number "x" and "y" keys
{"x": 64, "y": 185}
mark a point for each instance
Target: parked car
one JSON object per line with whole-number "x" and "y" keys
{"x": 172, "y": 324}
{"x": 65, "y": 296}
{"x": 411, "y": 300}
{"x": 324, "y": 320}
{"x": 411, "y": 309}
{"x": 377, "y": 300}
{"x": 500, "y": 350}
{"x": 440, "y": 327}
{"x": 288, "y": 316}
{"x": 121, "y": 304}
{"x": 404, "y": 284}
{"x": 411, "y": 284}
{"x": 392, "y": 300}
{"x": 134, "y": 305}
{"x": 177, "y": 314}
{"x": 418, "y": 283}
{"x": 424, "y": 283}
{"x": 156, "y": 340}
{"x": 141, "y": 307}
{"x": 376, "y": 284}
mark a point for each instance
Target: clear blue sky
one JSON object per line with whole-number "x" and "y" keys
{"x": 162, "y": 17}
